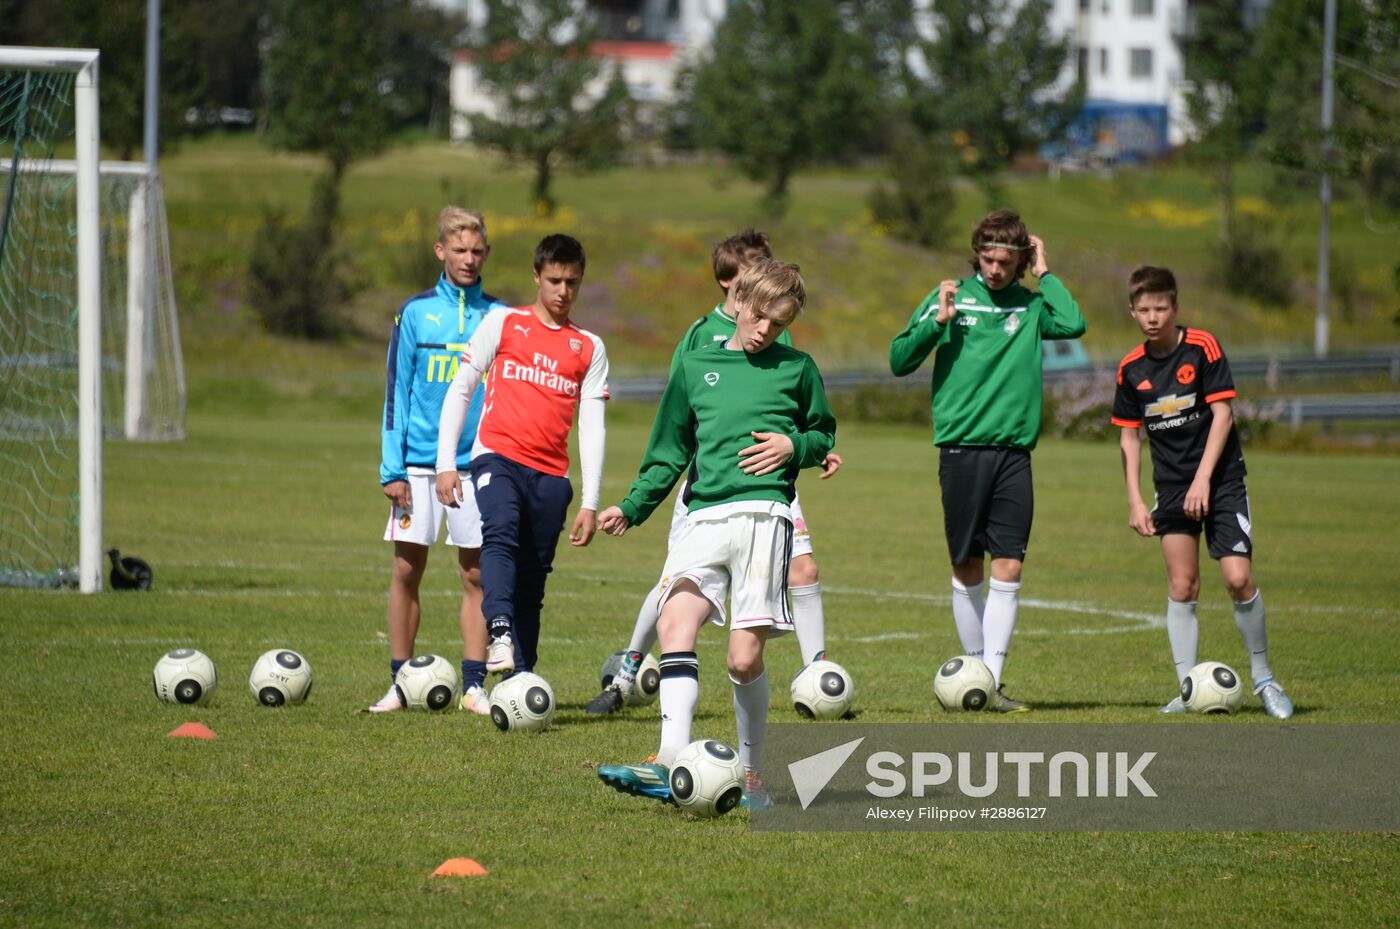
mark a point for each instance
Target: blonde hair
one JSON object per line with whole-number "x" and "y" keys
{"x": 453, "y": 220}
{"x": 772, "y": 286}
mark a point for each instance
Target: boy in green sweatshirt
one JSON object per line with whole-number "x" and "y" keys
{"x": 744, "y": 415}
{"x": 985, "y": 333}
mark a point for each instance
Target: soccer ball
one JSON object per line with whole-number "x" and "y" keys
{"x": 648, "y": 677}
{"x": 522, "y": 702}
{"x": 279, "y": 677}
{"x": 964, "y": 683}
{"x": 429, "y": 682}
{"x": 1212, "y": 687}
{"x": 823, "y": 690}
{"x": 186, "y": 676}
{"x": 707, "y": 779}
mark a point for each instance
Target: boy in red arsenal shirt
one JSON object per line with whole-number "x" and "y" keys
{"x": 1177, "y": 384}
{"x": 540, "y": 370}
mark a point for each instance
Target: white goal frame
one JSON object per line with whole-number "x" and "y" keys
{"x": 83, "y": 63}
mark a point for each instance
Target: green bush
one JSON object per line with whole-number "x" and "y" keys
{"x": 296, "y": 275}
{"x": 884, "y": 403}
{"x": 1252, "y": 266}
{"x": 918, "y": 205}
{"x": 1079, "y": 406}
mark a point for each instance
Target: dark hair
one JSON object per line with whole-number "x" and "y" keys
{"x": 1002, "y": 229}
{"x": 559, "y": 249}
{"x": 1147, "y": 279}
{"x": 739, "y": 251}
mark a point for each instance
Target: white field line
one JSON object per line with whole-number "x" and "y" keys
{"x": 1124, "y": 621}
{"x": 1139, "y": 621}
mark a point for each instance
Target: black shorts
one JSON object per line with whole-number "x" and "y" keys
{"x": 1227, "y": 525}
{"x": 988, "y": 501}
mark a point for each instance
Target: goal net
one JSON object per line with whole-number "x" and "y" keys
{"x": 69, "y": 377}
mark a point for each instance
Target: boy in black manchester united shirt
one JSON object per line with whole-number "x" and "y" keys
{"x": 1177, "y": 386}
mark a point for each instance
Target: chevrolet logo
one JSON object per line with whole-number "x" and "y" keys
{"x": 1167, "y": 407}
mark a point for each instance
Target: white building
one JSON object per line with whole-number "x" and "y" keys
{"x": 1129, "y": 53}
{"x": 650, "y": 39}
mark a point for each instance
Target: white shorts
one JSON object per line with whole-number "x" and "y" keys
{"x": 742, "y": 558}
{"x": 801, "y": 538}
{"x": 419, "y": 525}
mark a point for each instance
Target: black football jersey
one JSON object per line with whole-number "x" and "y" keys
{"x": 1171, "y": 397}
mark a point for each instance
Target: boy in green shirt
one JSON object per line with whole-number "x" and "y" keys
{"x": 729, "y": 260}
{"x": 985, "y": 333}
{"x": 744, "y": 415}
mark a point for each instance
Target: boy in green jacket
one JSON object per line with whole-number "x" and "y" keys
{"x": 749, "y": 413}
{"x": 985, "y": 333}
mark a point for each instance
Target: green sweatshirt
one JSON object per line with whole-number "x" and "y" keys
{"x": 714, "y": 326}
{"x": 986, "y": 370}
{"x": 715, "y": 398}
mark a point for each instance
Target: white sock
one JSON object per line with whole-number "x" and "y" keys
{"x": 644, "y": 632}
{"x": 1249, "y": 617}
{"x": 968, "y": 607}
{"x": 810, "y": 619}
{"x": 751, "y": 718}
{"x": 1183, "y": 632}
{"x": 998, "y": 622}
{"x": 680, "y": 692}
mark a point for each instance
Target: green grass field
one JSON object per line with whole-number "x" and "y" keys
{"x": 263, "y": 529}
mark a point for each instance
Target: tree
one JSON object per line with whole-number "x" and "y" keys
{"x": 536, "y": 59}
{"x": 1366, "y": 108}
{"x": 326, "y": 94}
{"x": 117, "y": 28}
{"x": 785, "y": 83}
{"x": 989, "y": 82}
{"x": 420, "y": 40}
{"x": 1225, "y": 101}
{"x": 325, "y": 73}
{"x": 224, "y": 43}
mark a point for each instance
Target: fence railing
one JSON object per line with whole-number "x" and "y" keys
{"x": 1274, "y": 372}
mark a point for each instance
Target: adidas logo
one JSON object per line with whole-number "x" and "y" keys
{"x": 1241, "y": 548}
{"x": 1145, "y": 385}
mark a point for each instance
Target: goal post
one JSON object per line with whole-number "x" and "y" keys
{"x": 82, "y": 65}
{"x": 142, "y": 360}
{"x": 75, "y": 368}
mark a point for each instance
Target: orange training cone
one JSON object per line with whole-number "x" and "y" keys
{"x": 460, "y": 867}
{"x": 192, "y": 731}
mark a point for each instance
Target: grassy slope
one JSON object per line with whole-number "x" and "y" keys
{"x": 649, "y": 229}
{"x": 263, "y": 532}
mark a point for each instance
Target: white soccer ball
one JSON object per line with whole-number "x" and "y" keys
{"x": 185, "y": 675}
{"x": 648, "y": 677}
{"x": 429, "y": 682}
{"x": 1212, "y": 687}
{"x": 964, "y": 683}
{"x": 522, "y": 702}
{"x": 280, "y": 677}
{"x": 823, "y": 690}
{"x": 707, "y": 779}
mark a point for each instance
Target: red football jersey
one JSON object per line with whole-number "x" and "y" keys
{"x": 536, "y": 373}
